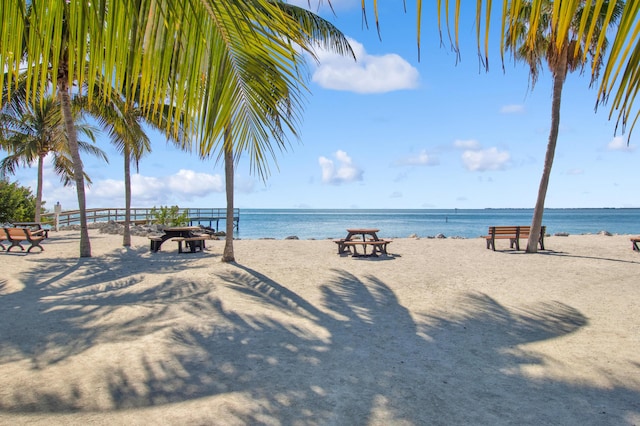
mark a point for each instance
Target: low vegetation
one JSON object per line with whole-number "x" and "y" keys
{"x": 169, "y": 216}
{"x": 17, "y": 203}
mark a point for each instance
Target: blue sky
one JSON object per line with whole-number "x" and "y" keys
{"x": 389, "y": 131}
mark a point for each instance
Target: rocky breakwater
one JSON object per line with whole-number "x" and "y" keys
{"x": 117, "y": 228}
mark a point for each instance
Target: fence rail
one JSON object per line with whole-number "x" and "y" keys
{"x": 195, "y": 215}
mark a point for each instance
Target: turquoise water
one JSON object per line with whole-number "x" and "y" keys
{"x": 329, "y": 223}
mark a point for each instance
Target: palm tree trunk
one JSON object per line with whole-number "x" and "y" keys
{"x": 126, "y": 236}
{"x": 78, "y": 171}
{"x": 227, "y": 254}
{"x": 39, "y": 188}
{"x": 559, "y": 76}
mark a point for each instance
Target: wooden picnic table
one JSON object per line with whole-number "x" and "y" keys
{"x": 180, "y": 234}
{"x": 364, "y": 232}
{"x": 364, "y": 237}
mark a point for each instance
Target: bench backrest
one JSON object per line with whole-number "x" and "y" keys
{"x": 19, "y": 233}
{"x": 503, "y": 230}
{"x": 521, "y": 231}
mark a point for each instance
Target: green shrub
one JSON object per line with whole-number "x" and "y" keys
{"x": 169, "y": 216}
{"x": 17, "y": 204}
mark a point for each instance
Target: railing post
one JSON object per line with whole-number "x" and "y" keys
{"x": 57, "y": 209}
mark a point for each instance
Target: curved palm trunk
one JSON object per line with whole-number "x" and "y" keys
{"x": 78, "y": 172}
{"x": 227, "y": 254}
{"x": 126, "y": 237}
{"x": 39, "y": 188}
{"x": 559, "y": 77}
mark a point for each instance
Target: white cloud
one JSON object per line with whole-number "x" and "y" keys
{"x": 108, "y": 188}
{"x": 619, "y": 143}
{"x": 485, "y": 159}
{"x": 575, "y": 172}
{"x": 512, "y": 109}
{"x": 146, "y": 191}
{"x": 178, "y": 188}
{"x": 466, "y": 144}
{"x": 476, "y": 159}
{"x": 369, "y": 74}
{"x": 420, "y": 159}
{"x": 189, "y": 183}
{"x": 344, "y": 172}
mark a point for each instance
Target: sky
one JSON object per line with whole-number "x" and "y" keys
{"x": 395, "y": 129}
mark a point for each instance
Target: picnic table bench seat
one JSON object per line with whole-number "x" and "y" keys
{"x": 513, "y": 234}
{"x": 155, "y": 241}
{"x": 378, "y": 246}
{"x": 16, "y": 236}
{"x": 193, "y": 243}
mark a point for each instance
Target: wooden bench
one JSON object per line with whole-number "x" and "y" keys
{"x": 513, "y": 234}
{"x": 16, "y": 236}
{"x": 377, "y": 247}
{"x": 194, "y": 243}
{"x": 634, "y": 243}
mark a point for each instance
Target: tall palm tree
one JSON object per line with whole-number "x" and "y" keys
{"x": 34, "y": 131}
{"x": 51, "y": 50}
{"x": 273, "y": 112}
{"x": 184, "y": 52}
{"x": 125, "y": 128}
{"x": 125, "y": 120}
{"x": 228, "y": 254}
{"x": 561, "y": 58}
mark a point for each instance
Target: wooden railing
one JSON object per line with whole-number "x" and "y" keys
{"x": 140, "y": 216}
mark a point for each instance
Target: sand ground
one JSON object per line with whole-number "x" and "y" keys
{"x": 442, "y": 332}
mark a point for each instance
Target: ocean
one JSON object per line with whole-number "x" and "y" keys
{"x": 332, "y": 223}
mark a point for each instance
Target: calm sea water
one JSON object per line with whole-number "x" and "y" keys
{"x": 329, "y": 223}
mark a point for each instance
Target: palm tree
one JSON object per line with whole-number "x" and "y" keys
{"x": 561, "y": 58}
{"x": 271, "y": 121}
{"x": 124, "y": 120}
{"x": 228, "y": 254}
{"x": 127, "y": 134}
{"x": 34, "y": 131}
{"x": 193, "y": 55}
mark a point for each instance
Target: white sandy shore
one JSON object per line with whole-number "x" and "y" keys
{"x": 442, "y": 332}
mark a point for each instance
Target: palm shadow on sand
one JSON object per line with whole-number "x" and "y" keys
{"x": 356, "y": 357}
{"x": 56, "y": 315}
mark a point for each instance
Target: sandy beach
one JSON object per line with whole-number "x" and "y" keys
{"x": 441, "y": 332}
